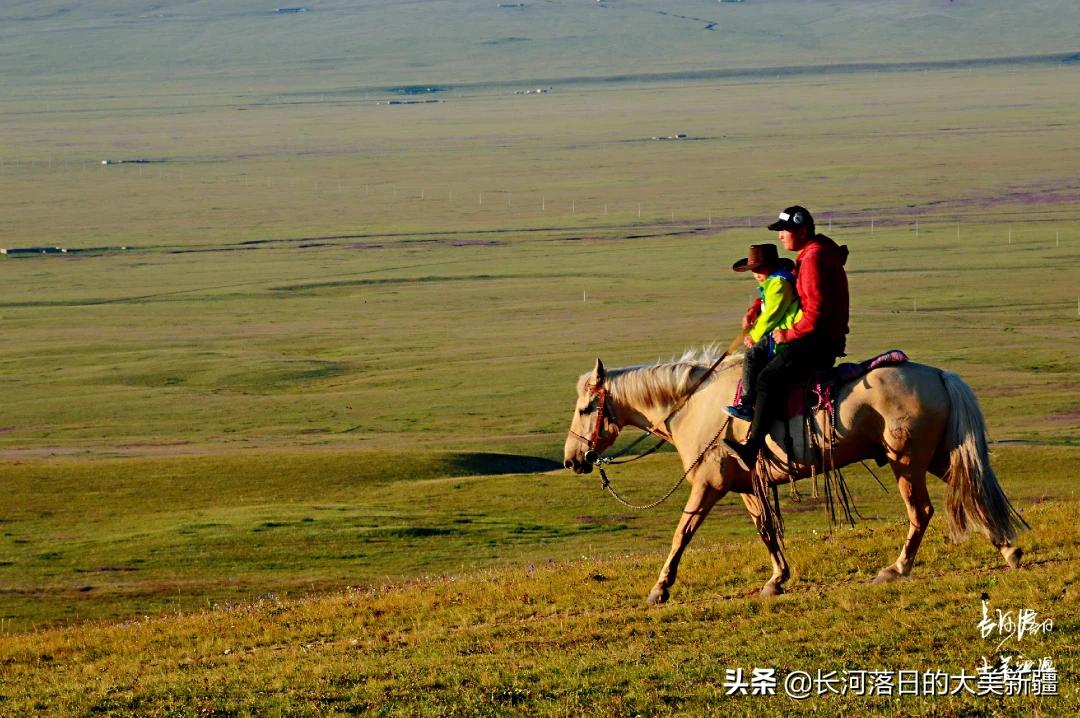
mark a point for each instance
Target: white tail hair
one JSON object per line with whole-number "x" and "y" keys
{"x": 974, "y": 497}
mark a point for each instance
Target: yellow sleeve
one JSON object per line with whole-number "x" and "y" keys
{"x": 777, "y": 295}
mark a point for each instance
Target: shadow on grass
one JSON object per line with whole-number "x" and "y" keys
{"x": 491, "y": 464}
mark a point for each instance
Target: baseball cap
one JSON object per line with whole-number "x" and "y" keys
{"x": 792, "y": 218}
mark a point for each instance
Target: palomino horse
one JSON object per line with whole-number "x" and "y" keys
{"x": 916, "y": 417}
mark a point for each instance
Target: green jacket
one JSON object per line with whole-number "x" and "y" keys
{"x": 779, "y": 305}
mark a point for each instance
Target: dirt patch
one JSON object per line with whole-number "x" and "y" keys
{"x": 1069, "y": 416}
{"x": 474, "y": 243}
{"x": 41, "y": 453}
{"x": 1004, "y": 390}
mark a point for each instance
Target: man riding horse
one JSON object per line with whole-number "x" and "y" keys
{"x": 814, "y": 342}
{"x": 919, "y": 419}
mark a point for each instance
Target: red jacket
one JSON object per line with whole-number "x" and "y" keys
{"x": 821, "y": 283}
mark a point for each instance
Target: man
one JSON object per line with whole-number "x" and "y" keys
{"x": 814, "y": 341}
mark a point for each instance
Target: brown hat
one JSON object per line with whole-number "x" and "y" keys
{"x": 761, "y": 257}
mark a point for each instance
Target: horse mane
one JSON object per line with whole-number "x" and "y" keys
{"x": 665, "y": 382}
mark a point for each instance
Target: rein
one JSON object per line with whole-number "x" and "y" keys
{"x": 605, "y": 483}
{"x": 593, "y": 457}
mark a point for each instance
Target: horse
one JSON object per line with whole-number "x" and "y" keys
{"x": 918, "y": 418}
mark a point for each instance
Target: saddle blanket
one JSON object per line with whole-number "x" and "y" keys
{"x": 817, "y": 394}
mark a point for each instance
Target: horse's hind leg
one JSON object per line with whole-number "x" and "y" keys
{"x": 912, "y": 486}
{"x": 939, "y": 467}
{"x": 767, "y": 531}
{"x": 1011, "y": 554}
{"x": 702, "y": 498}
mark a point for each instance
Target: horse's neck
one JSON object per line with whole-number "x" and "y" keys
{"x": 657, "y": 398}
{"x": 703, "y": 416}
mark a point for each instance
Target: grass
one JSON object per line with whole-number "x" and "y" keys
{"x": 275, "y": 428}
{"x": 341, "y": 50}
{"x": 476, "y": 347}
{"x": 572, "y": 635}
{"x": 136, "y": 536}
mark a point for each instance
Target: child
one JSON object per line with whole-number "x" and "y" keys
{"x": 777, "y": 308}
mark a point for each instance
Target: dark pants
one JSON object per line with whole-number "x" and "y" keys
{"x": 755, "y": 359}
{"x": 794, "y": 362}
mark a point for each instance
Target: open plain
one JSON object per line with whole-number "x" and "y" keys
{"x": 282, "y": 424}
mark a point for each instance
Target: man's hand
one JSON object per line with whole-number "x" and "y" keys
{"x": 776, "y": 335}
{"x": 748, "y": 342}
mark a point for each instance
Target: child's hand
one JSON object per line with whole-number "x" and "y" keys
{"x": 748, "y": 342}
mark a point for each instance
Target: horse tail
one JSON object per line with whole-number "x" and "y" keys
{"x": 974, "y": 498}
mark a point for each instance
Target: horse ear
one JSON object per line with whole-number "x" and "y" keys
{"x": 598, "y": 373}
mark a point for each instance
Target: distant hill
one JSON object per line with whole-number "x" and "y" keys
{"x": 348, "y": 46}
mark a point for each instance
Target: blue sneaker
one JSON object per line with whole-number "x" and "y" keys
{"x": 740, "y": 412}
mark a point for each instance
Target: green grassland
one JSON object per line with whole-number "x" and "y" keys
{"x": 580, "y": 159}
{"x": 188, "y": 46}
{"x": 279, "y": 430}
{"x": 572, "y": 637}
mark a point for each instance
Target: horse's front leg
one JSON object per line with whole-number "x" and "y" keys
{"x": 702, "y": 498}
{"x": 767, "y": 531}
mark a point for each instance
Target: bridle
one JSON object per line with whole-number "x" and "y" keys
{"x": 592, "y": 456}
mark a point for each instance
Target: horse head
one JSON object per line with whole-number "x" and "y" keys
{"x": 592, "y": 427}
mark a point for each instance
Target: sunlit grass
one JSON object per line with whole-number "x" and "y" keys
{"x": 278, "y": 433}
{"x": 572, "y": 636}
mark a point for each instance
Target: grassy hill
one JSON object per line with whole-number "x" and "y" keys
{"x": 572, "y": 637}
{"x": 348, "y": 46}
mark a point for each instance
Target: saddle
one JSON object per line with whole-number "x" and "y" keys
{"x": 819, "y": 391}
{"x": 804, "y": 399}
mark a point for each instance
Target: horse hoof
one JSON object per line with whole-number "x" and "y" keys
{"x": 771, "y": 589}
{"x": 886, "y": 575}
{"x": 658, "y": 596}
{"x": 1012, "y": 555}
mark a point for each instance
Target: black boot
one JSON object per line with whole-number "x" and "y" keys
{"x": 746, "y": 454}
